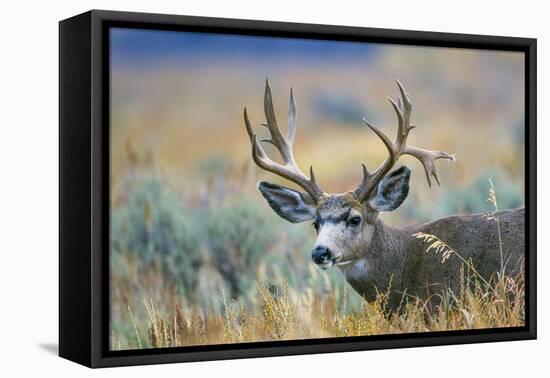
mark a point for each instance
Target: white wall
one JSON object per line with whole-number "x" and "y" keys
{"x": 29, "y": 174}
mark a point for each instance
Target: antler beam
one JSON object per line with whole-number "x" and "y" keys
{"x": 403, "y": 109}
{"x": 289, "y": 169}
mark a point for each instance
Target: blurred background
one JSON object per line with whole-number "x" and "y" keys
{"x": 189, "y": 228}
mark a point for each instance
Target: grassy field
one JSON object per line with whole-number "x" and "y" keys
{"x": 283, "y": 314}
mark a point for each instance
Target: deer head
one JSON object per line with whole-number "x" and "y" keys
{"x": 344, "y": 222}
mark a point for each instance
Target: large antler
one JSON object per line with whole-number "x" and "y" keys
{"x": 289, "y": 169}
{"x": 399, "y": 147}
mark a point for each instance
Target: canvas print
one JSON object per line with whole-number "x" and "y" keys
{"x": 267, "y": 188}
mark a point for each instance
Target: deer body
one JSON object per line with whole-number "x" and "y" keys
{"x": 352, "y": 237}
{"x": 396, "y": 255}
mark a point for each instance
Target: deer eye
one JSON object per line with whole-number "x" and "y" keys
{"x": 316, "y": 226}
{"x": 354, "y": 221}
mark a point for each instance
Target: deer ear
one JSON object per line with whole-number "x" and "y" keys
{"x": 392, "y": 190}
{"x": 290, "y": 204}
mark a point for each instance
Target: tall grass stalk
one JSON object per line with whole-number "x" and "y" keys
{"x": 494, "y": 216}
{"x": 140, "y": 346}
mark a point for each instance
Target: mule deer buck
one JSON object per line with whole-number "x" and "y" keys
{"x": 351, "y": 236}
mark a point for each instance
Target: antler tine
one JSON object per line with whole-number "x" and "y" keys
{"x": 291, "y": 119}
{"x": 277, "y": 138}
{"x": 428, "y": 158}
{"x": 403, "y": 108}
{"x": 289, "y": 169}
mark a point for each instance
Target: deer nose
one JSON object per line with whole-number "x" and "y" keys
{"x": 320, "y": 255}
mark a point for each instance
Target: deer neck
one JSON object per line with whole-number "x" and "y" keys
{"x": 381, "y": 260}
{"x": 387, "y": 241}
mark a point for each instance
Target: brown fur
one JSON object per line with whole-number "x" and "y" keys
{"x": 397, "y": 254}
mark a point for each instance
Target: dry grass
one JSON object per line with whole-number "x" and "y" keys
{"x": 285, "y": 316}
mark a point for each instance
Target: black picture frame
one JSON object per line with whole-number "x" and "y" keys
{"x": 84, "y": 188}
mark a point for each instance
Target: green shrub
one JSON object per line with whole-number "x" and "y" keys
{"x": 153, "y": 225}
{"x": 471, "y": 199}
